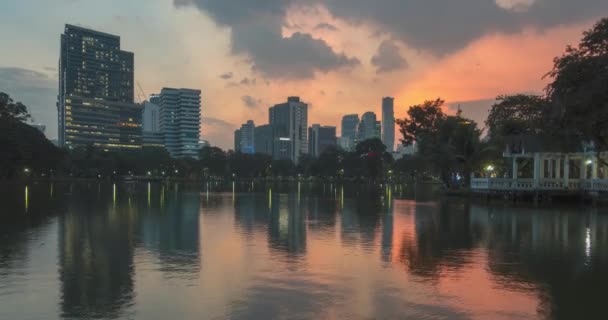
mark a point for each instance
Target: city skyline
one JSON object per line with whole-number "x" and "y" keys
{"x": 192, "y": 44}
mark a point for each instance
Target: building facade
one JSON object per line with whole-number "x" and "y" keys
{"x": 263, "y": 138}
{"x": 320, "y": 138}
{"x": 180, "y": 121}
{"x": 388, "y": 123}
{"x": 350, "y": 125}
{"x": 151, "y": 117}
{"x": 369, "y": 127}
{"x": 95, "y": 101}
{"x": 290, "y": 127}
{"x": 245, "y": 142}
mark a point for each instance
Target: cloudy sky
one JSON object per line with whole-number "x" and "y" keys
{"x": 340, "y": 56}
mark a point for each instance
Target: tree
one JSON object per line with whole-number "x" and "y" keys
{"x": 450, "y": 144}
{"x": 213, "y": 160}
{"x": 579, "y": 87}
{"x": 422, "y": 119}
{"x": 517, "y": 114}
{"x": 9, "y": 110}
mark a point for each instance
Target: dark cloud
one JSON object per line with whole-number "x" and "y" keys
{"x": 256, "y": 28}
{"x": 326, "y": 26}
{"x": 444, "y": 26}
{"x": 215, "y": 122}
{"x": 226, "y": 76}
{"x": 246, "y": 81}
{"x": 388, "y": 58}
{"x": 250, "y": 102}
{"x": 36, "y": 90}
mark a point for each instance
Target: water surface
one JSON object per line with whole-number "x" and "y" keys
{"x": 169, "y": 251}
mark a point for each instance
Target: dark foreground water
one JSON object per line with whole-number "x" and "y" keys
{"x": 142, "y": 251}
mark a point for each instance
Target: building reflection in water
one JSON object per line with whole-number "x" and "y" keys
{"x": 98, "y": 239}
{"x": 96, "y": 244}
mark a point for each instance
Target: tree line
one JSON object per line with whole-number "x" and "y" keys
{"x": 450, "y": 148}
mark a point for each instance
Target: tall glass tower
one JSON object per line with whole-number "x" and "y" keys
{"x": 95, "y": 101}
{"x": 388, "y": 123}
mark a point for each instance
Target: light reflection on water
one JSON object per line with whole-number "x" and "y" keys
{"x": 157, "y": 251}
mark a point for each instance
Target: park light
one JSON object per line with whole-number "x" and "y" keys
{"x": 163, "y": 173}
{"x": 149, "y": 173}
{"x": 176, "y": 171}
{"x": 589, "y": 162}
{"x": 26, "y": 170}
{"x": 490, "y": 168}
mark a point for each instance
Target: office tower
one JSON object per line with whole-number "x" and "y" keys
{"x": 150, "y": 115}
{"x": 245, "y": 142}
{"x": 290, "y": 124}
{"x": 388, "y": 123}
{"x": 180, "y": 121}
{"x": 263, "y": 139}
{"x": 95, "y": 102}
{"x": 369, "y": 127}
{"x": 350, "y": 123}
{"x": 320, "y": 138}
{"x": 237, "y": 140}
{"x": 346, "y": 143}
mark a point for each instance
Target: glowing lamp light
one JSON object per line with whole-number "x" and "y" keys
{"x": 490, "y": 168}
{"x": 589, "y": 162}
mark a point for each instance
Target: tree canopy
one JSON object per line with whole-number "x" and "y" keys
{"x": 579, "y": 87}
{"x": 10, "y": 110}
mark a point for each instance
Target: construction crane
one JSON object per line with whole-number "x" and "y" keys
{"x": 141, "y": 95}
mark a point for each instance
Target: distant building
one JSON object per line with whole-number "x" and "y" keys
{"x": 388, "y": 123}
{"x": 151, "y": 117}
{"x": 95, "y": 101}
{"x": 39, "y": 126}
{"x": 180, "y": 121}
{"x": 350, "y": 125}
{"x": 263, "y": 138}
{"x": 403, "y": 151}
{"x": 237, "y": 140}
{"x": 246, "y": 140}
{"x": 346, "y": 143}
{"x": 290, "y": 125}
{"x": 203, "y": 144}
{"x": 320, "y": 138}
{"x": 153, "y": 139}
{"x": 369, "y": 127}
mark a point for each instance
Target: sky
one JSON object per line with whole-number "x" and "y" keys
{"x": 340, "y": 56}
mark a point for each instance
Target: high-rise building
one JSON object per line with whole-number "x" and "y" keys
{"x": 320, "y": 138}
{"x": 388, "y": 123}
{"x": 95, "y": 102}
{"x": 246, "y": 140}
{"x": 369, "y": 127}
{"x": 180, "y": 121}
{"x": 350, "y": 123}
{"x": 290, "y": 125}
{"x": 263, "y": 138}
{"x": 346, "y": 143}
{"x": 151, "y": 114}
{"x": 237, "y": 140}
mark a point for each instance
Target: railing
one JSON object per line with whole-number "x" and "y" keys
{"x": 501, "y": 184}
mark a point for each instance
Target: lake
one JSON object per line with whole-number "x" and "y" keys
{"x": 177, "y": 251}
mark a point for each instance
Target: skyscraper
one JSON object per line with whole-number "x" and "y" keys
{"x": 320, "y": 138}
{"x": 350, "y": 125}
{"x": 237, "y": 140}
{"x": 246, "y": 139}
{"x": 263, "y": 138}
{"x": 369, "y": 127}
{"x": 290, "y": 124}
{"x": 388, "y": 123}
{"x": 95, "y": 102}
{"x": 180, "y": 121}
{"x": 150, "y": 117}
